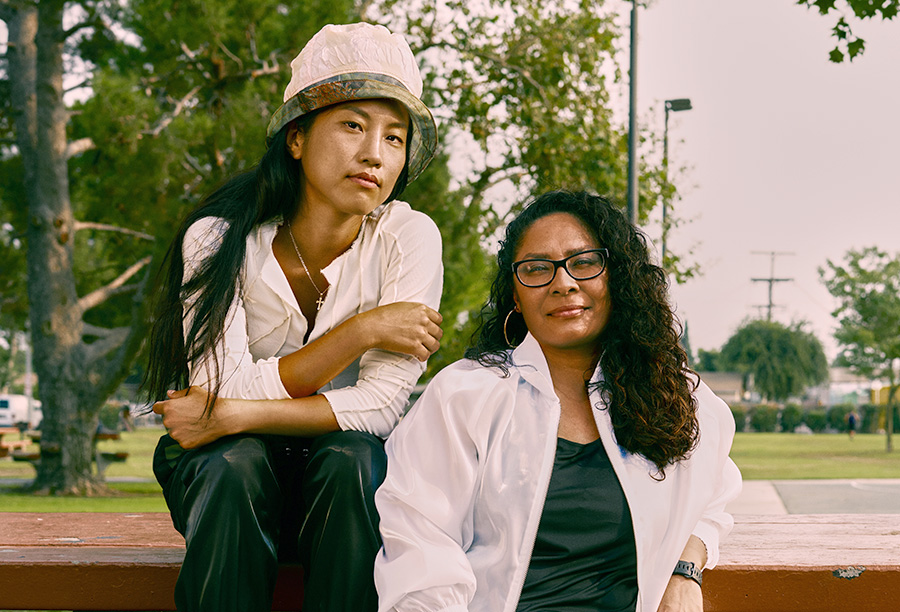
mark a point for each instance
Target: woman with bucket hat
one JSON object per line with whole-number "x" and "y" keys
{"x": 299, "y": 306}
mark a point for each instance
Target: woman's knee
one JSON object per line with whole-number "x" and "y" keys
{"x": 239, "y": 466}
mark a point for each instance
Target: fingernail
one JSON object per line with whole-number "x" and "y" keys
{"x": 170, "y": 392}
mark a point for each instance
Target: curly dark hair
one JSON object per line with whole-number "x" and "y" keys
{"x": 646, "y": 382}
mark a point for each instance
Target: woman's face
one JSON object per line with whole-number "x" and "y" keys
{"x": 352, "y": 155}
{"x": 566, "y": 314}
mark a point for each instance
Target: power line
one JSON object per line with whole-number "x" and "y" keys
{"x": 771, "y": 280}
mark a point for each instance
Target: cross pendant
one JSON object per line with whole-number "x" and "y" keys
{"x": 319, "y": 303}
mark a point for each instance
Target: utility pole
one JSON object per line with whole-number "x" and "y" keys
{"x": 771, "y": 280}
{"x": 633, "y": 199}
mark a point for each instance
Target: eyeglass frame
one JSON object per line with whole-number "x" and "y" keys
{"x": 561, "y": 263}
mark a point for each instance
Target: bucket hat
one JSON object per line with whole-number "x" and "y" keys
{"x": 359, "y": 61}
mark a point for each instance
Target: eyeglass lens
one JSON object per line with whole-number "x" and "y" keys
{"x": 581, "y": 266}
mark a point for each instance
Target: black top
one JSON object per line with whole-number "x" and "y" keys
{"x": 584, "y": 555}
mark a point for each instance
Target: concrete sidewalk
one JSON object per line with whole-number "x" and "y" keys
{"x": 858, "y": 496}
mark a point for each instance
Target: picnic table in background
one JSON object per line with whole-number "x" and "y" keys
{"x": 103, "y": 459}
{"x": 7, "y": 443}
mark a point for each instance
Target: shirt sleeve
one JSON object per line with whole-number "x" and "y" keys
{"x": 413, "y": 272}
{"x": 240, "y": 375}
{"x": 426, "y": 511}
{"x": 716, "y": 523}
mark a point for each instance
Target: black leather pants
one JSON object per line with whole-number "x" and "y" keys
{"x": 245, "y": 502}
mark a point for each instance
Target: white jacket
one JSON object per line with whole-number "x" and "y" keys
{"x": 396, "y": 257}
{"x": 468, "y": 472}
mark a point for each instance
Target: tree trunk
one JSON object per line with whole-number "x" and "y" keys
{"x": 889, "y": 421}
{"x": 75, "y": 378}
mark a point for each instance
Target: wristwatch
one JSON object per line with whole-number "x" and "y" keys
{"x": 689, "y": 570}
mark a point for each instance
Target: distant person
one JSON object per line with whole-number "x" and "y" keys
{"x": 852, "y": 422}
{"x": 572, "y": 461}
{"x": 302, "y": 295}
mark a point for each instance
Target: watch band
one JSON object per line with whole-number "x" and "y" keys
{"x": 689, "y": 570}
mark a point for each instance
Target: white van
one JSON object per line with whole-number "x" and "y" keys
{"x": 14, "y": 409}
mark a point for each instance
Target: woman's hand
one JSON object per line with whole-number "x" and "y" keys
{"x": 404, "y": 327}
{"x": 682, "y": 595}
{"x": 182, "y": 415}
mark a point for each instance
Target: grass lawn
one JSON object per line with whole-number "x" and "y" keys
{"x": 760, "y": 456}
{"x": 780, "y": 456}
{"x": 144, "y": 495}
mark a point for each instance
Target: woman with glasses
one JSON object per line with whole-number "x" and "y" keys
{"x": 572, "y": 461}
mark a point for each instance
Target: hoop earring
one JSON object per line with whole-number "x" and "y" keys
{"x": 505, "y": 323}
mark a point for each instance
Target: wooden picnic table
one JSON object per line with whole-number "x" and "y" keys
{"x": 8, "y": 445}
{"x": 103, "y": 459}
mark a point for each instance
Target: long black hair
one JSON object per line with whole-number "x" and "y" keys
{"x": 271, "y": 189}
{"x": 646, "y": 381}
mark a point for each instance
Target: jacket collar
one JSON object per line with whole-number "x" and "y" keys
{"x": 528, "y": 358}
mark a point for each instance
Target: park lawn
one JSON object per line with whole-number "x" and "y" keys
{"x": 781, "y": 456}
{"x": 760, "y": 456}
{"x": 142, "y": 495}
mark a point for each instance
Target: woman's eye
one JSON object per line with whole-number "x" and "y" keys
{"x": 536, "y": 267}
{"x": 396, "y": 139}
{"x": 353, "y": 125}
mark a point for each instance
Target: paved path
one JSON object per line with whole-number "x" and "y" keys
{"x": 859, "y": 496}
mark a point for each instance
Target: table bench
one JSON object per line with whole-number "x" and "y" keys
{"x": 102, "y": 459}
{"x": 771, "y": 563}
{"x": 100, "y": 561}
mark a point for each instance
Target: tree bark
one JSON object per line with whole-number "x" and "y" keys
{"x": 74, "y": 381}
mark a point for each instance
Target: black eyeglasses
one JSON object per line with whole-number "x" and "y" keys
{"x": 580, "y": 266}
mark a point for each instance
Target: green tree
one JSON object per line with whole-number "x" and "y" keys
{"x": 707, "y": 361}
{"x": 177, "y": 94}
{"x": 867, "y": 287}
{"x": 783, "y": 360}
{"x": 848, "y": 45}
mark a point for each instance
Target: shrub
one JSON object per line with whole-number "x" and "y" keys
{"x": 764, "y": 418}
{"x": 791, "y": 417}
{"x": 816, "y": 420}
{"x": 871, "y": 414}
{"x": 740, "y": 417}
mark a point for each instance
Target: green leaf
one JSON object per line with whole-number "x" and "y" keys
{"x": 836, "y": 56}
{"x": 856, "y": 47}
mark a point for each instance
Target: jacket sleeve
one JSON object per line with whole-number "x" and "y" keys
{"x": 425, "y": 505}
{"x": 413, "y": 272}
{"x": 716, "y": 523}
{"x": 241, "y": 376}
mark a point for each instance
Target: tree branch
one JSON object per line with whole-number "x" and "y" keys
{"x": 104, "y": 227}
{"x": 109, "y": 341}
{"x": 100, "y": 332}
{"x": 166, "y": 120}
{"x": 77, "y": 147}
{"x": 100, "y": 295}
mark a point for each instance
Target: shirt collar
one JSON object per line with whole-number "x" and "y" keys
{"x": 529, "y": 358}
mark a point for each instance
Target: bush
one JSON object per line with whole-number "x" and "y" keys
{"x": 837, "y": 416}
{"x": 740, "y": 417}
{"x": 816, "y": 420}
{"x": 871, "y": 414}
{"x": 791, "y": 418}
{"x": 764, "y": 418}
{"x": 109, "y": 416}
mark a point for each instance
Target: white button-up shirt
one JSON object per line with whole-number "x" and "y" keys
{"x": 468, "y": 471}
{"x": 396, "y": 257}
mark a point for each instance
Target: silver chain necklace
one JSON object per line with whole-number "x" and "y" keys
{"x": 321, "y": 299}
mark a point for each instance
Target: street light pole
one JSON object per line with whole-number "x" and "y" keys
{"x": 632, "y": 121}
{"x": 678, "y": 104}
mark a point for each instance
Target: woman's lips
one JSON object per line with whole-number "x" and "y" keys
{"x": 567, "y": 311}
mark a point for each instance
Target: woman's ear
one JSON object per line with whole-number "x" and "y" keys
{"x": 294, "y": 141}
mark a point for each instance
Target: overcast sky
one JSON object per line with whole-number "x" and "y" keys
{"x": 786, "y": 152}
